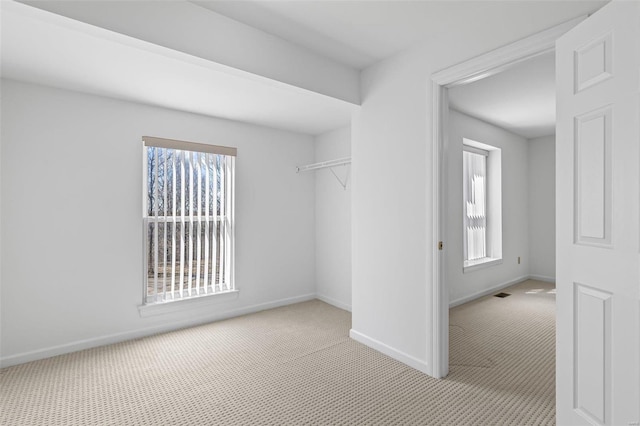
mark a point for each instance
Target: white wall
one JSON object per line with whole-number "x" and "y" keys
{"x": 390, "y": 218}
{"x": 71, "y": 218}
{"x": 392, "y": 189}
{"x": 333, "y": 221}
{"x": 542, "y": 207}
{"x": 515, "y": 215}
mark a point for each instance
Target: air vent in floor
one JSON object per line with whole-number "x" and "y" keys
{"x": 502, "y": 295}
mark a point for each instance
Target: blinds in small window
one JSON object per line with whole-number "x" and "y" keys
{"x": 475, "y": 202}
{"x": 188, "y": 218}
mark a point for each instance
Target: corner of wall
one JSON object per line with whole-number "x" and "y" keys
{"x": 333, "y": 220}
{"x": 404, "y": 358}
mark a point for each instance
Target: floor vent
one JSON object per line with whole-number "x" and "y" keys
{"x": 502, "y": 295}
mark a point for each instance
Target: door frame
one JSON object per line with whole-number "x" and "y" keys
{"x": 466, "y": 72}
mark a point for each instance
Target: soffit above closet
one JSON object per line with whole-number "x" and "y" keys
{"x": 45, "y": 48}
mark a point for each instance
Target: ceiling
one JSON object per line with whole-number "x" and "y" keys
{"x": 521, "y": 99}
{"x": 360, "y": 33}
{"x": 356, "y": 33}
{"x": 45, "y": 48}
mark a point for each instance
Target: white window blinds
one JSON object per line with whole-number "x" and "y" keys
{"x": 475, "y": 204}
{"x": 188, "y": 218}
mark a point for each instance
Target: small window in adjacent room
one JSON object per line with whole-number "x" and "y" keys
{"x": 188, "y": 220}
{"x": 482, "y": 205}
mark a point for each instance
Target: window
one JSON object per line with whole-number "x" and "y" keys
{"x": 482, "y": 204}
{"x": 475, "y": 196}
{"x": 188, "y": 219}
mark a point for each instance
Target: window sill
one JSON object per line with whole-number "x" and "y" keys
{"x": 186, "y": 304}
{"x": 474, "y": 265}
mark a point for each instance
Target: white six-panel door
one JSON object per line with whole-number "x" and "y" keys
{"x": 598, "y": 218}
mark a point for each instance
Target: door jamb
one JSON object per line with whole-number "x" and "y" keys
{"x": 469, "y": 71}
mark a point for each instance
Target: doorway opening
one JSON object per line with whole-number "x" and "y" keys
{"x": 445, "y": 83}
{"x": 500, "y": 232}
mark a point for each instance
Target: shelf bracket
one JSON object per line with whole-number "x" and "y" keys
{"x": 331, "y": 164}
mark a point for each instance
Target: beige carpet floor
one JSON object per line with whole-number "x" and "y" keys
{"x": 297, "y": 366}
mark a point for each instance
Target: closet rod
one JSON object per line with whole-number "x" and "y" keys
{"x": 324, "y": 164}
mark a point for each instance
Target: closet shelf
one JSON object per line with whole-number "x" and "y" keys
{"x": 324, "y": 164}
{"x": 330, "y": 164}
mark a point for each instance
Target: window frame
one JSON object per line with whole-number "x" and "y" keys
{"x": 468, "y": 186}
{"x": 224, "y": 215}
{"x": 493, "y": 207}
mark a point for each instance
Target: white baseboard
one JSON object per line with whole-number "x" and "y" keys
{"x": 94, "y": 342}
{"x": 135, "y": 334}
{"x": 334, "y": 302}
{"x": 486, "y": 292}
{"x": 497, "y": 287}
{"x": 543, "y": 278}
{"x": 404, "y": 358}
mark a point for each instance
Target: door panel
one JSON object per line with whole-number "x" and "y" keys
{"x": 598, "y": 218}
{"x": 591, "y": 356}
{"x": 592, "y": 163}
